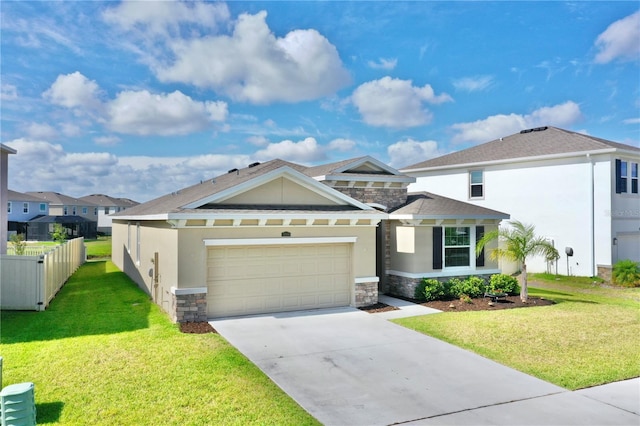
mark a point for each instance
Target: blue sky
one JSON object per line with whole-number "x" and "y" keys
{"x": 138, "y": 99}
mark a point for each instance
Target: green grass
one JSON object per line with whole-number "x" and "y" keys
{"x": 103, "y": 354}
{"x": 590, "y": 337}
{"x": 99, "y": 248}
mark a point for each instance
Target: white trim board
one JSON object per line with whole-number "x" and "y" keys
{"x": 210, "y": 242}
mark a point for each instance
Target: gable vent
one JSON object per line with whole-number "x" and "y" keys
{"x": 232, "y": 170}
{"x": 257, "y": 163}
{"x": 535, "y": 129}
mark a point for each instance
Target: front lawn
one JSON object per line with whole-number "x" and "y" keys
{"x": 103, "y": 354}
{"x": 590, "y": 337}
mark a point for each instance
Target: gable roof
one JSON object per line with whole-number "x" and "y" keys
{"x": 19, "y": 196}
{"x": 55, "y": 198}
{"x": 425, "y": 205}
{"x": 359, "y": 168}
{"x": 538, "y": 142}
{"x": 203, "y": 198}
{"x": 107, "y": 201}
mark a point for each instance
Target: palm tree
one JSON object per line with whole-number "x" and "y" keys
{"x": 520, "y": 242}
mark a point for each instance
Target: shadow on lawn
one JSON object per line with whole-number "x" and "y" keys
{"x": 97, "y": 299}
{"x": 48, "y": 412}
{"x": 560, "y": 297}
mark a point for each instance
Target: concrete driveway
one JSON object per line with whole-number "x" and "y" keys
{"x": 349, "y": 367}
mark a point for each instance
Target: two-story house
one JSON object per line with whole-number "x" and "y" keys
{"x": 580, "y": 192}
{"x": 21, "y": 209}
{"x": 79, "y": 217}
{"x": 106, "y": 206}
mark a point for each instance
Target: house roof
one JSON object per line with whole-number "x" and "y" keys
{"x": 204, "y": 198}
{"x": 359, "y": 168}
{"x": 425, "y": 205}
{"x": 538, "y": 142}
{"x": 107, "y": 201}
{"x": 19, "y": 196}
{"x": 7, "y": 149}
{"x": 58, "y": 219}
{"x": 55, "y": 198}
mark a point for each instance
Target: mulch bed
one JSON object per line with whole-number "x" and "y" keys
{"x": 477, "y": 304}
{"x": 196, "y": 327}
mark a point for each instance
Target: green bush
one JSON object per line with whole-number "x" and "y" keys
{"x": 432, "y": 289}
{"x": 501, "y": 283}
{"x": 626, "y": 273}
{"x": 472, "y": 287}
{"x": 18, "y": 243}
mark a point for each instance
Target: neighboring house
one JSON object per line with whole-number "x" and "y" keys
{"x": 79, "y": 217}
{"x": 5, "y": 151}
{"x": 106, "y": 206}
{"x": 279, "y": 236}
{"x": 22, "y": 208}
{"x": 580, "y": 192}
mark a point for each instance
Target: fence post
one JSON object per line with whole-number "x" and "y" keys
{"x": 41, "y": 284}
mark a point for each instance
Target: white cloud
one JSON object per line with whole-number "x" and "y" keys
{"x": 258, "y": 140}
{"x": 70, "y": 129}
{"x": 410, "y": 151}
{"x": 395, "y": 103}
{"x": 383, "y": 64}
{"x": 500, "y": 125}
{"x": 40, "y": 131}
{"x": 107, "y": 140}
{"x": 74, "y": 91}
{"x": 477, "y": 83}
{"x": 341, "y": 145}
{"x": 632, "y": 120}
{"x": 8, "y": 92}
{"x": 305, "y": 151}
{"x": 621, "y": 40}
{"x": 248, "y": 63}
{"x": 144, "y": 113}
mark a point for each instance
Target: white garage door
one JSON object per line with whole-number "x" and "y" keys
{"x": 246, "y": 280}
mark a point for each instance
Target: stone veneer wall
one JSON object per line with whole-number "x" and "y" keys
{"x": 604, "y": 272}
{"x": 189, "y": 307}
{"x": 406, "y": 287}
{"x": 389, "y": 197}
{"x": 366, "y": 294}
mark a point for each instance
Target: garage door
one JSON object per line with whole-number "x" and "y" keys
{"x": 246, "y": 280}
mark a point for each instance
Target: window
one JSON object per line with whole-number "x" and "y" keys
{"x": 95, "y": 211}
{"x": 9, "y": 207}
{"x": 73, "y": 210}
{"x": 457, "y": 245}
{"x": 65, "y": 210}
{"x": 138, "y": 243}
{"x": 25, "y": 208}
{"x": 106, "y": 210}
{"x": 634, "y": 178}
{"x": 43, "y": 207}
{"x": 476, "y": 184}
{"x": 621, "y": 177}
{"x": 84, "y": 210}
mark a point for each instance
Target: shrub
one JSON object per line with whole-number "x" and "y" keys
{"x": 18, "y": 243}
{"x": 472, "y": 287}
{"x": 505, "y": 283}
{"x": 433, "y": 289}
{"x": 453, "y": 287}
{"x": 626, "y": 273}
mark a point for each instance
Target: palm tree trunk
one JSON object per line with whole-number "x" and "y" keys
{"x": 524, "y": 291}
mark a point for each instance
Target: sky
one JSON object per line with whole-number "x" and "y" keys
{"x": 137, "y": 99}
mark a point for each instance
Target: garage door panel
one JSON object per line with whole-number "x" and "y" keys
{"x": 246, "y": 280}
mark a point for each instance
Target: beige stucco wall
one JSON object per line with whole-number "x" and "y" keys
{"x": 182, "y": 252}
{"x": 419, "y": 258}
{"x": 279, "y": 191}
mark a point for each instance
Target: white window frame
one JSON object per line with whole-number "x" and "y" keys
{"x": 65, "y": 210}
{"x": 25, "y": 208}
{"x": 473, "y": 184}
{"x": 634, "y": 179}
{"x": 74, "y": 211}
{"x": 84, "y": 210}
{"x": 470, "y": 247}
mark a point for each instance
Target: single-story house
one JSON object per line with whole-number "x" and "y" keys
{"x": 279, "y": 236}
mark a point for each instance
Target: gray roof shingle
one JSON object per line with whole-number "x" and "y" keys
{"x": 428, "y": 205}
{"x": 543, "y": 141}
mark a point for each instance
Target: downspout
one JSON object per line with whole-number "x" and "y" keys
{"x": 592, "y": 235}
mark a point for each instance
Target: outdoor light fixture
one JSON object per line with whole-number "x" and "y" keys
{"x": 615, "y": 241}
{"x": 286, "y": 234}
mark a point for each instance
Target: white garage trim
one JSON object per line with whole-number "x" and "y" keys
{"x": 360, "y": 280}
{"x": 185, "y": 291}
{"x": 277, "y": 241}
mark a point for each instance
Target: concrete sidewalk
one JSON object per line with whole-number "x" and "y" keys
{"x": 349, "y": 367}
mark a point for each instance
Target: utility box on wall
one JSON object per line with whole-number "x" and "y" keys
{"x": 18, "y": 405}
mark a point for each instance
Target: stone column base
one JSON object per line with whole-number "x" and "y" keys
{"x": 188, "y": 304}
{"x": 366, "y": 293}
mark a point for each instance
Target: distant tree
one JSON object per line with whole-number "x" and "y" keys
{"x": 18, "y": 243}
{"x": 519, "y": 243}
{"x": 59, "y": 233}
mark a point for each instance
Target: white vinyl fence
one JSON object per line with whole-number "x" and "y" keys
{"x": 29, "y": 283}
